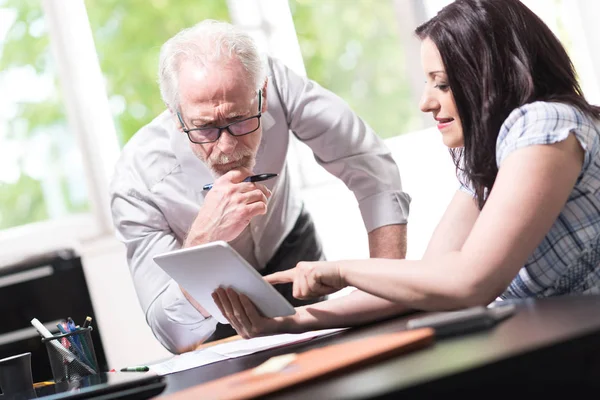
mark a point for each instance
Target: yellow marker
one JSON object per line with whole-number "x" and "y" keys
{"x": 274, "y": 364}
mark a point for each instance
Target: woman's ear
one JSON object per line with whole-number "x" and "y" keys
{"x": 264, "y": 96}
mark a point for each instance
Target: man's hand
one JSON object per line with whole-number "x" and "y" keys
{"x": 228, "y": 208}
{"x": 310, "y": 279}
{"x": 243, "y": 315}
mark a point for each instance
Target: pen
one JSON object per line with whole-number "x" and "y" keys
{"x": 87, "y": 322}
{"x": 42, "y": 384}
{"x": 135, "y": 369}
{"x": 252, "y": 178}
{"x": 77, "y": 344}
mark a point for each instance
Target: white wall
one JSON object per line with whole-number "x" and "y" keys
{"x": 427, "y": 175}
{"x": 126, "y": 337}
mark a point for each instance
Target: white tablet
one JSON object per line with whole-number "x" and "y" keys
{"x": 202, "y": 269}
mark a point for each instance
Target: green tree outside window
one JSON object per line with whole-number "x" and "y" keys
{"x": 352, "y": 47}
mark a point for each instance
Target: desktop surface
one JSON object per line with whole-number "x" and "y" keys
{"x": 548, "y": 344}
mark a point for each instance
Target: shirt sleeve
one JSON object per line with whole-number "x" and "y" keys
{"x": 141, "y": 226}
{"x": 541, "y": 123}
{"x": 344, "y": 145}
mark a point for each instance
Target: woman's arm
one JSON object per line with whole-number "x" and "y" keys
{"x": 353, "y": 309}
{"x": 454, "y": 227}
{"x": 531, "y": 189}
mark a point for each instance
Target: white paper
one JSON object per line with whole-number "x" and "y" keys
{"x": 244, "y": 347}
{"x": 185, "y": 361}
{"x": 234, "y": 349}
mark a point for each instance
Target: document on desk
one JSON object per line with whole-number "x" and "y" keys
{"x": 244, "y": 347}
{"x": 185, "y": 361}
{"x": 234, "y": 349}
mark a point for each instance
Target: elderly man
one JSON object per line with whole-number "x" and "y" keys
{"x": 229, "y": 116}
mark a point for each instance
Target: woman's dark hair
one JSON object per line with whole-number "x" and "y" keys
{"x": 498, "y": 56}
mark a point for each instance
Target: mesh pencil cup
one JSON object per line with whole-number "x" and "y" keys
{"x": 72, "y": 355}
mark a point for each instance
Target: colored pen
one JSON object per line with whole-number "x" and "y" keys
{"x": 252, "y": 178}
{"x": 87, "y": 322}
{"x": 80, "y": 348}
{"x": 42, "y": 384}
{"x": 135, "y": 369}
{"x": 71, "y": 324}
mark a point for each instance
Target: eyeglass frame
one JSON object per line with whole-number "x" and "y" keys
{"x": 224, "y": 127}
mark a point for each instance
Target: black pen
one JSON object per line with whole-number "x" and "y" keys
{"x": 252, "y": 178}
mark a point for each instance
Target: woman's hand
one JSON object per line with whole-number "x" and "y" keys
{"x": 311, "y": 279}
{"x": 243, "y": 315}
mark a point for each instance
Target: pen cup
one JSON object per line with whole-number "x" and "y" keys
{"x": 72, "y": 355}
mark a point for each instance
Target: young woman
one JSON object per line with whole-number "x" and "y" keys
{"x": 526, "y": 220}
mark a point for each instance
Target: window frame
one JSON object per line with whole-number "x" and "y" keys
{"x": 90, "y": 121}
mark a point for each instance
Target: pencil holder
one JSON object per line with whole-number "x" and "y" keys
{"x": 72, "y": 355}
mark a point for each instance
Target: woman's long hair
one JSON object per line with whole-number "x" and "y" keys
{"x": 498, "y": 56}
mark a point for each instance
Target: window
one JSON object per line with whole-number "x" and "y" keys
{"x": 128, "y": 36}
{"x": 564, "y": 19}
{"x": 567, "y": 20}
{"x": 357, "y": 53}
{"x": 41, "y": 174}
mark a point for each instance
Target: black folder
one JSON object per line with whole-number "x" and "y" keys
{"x": 106, "y": 385}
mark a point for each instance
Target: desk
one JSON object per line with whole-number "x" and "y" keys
{"x": 548, "y": 345}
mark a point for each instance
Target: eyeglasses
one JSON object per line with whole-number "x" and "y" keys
{"x": 212, "y": 134}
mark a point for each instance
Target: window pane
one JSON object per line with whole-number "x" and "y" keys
{"x": 564, "y": 19}
{"x": 41, "y": 174}
{"x": 356, "y": 52}
{"x": 128, "y": 36}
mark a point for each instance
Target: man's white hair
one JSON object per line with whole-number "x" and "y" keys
{"x": 208, "y": 41}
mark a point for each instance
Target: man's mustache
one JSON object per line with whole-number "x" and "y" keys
{"x": 238, "y": 155}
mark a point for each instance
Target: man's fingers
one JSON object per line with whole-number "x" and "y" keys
{"x": 217, "y": 301}
{"x": 256, "y": 208}
{"x": 245, "y": 187}
{"x": 226, "y": 305}
{"x": 251, "y": 311}
{"x": 255, "y": 196}
{"x": 237, "y": 175}
{"x": 238, "y": 310}
{"x": 227, "y": 311}
{"x": 263, "y": 189}
{"x": 281, "y": 277}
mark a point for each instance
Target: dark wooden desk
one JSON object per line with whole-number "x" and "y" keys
{"x": 548, "y": 346}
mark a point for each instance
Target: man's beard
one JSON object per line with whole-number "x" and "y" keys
{"x": 221, "y": 163}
